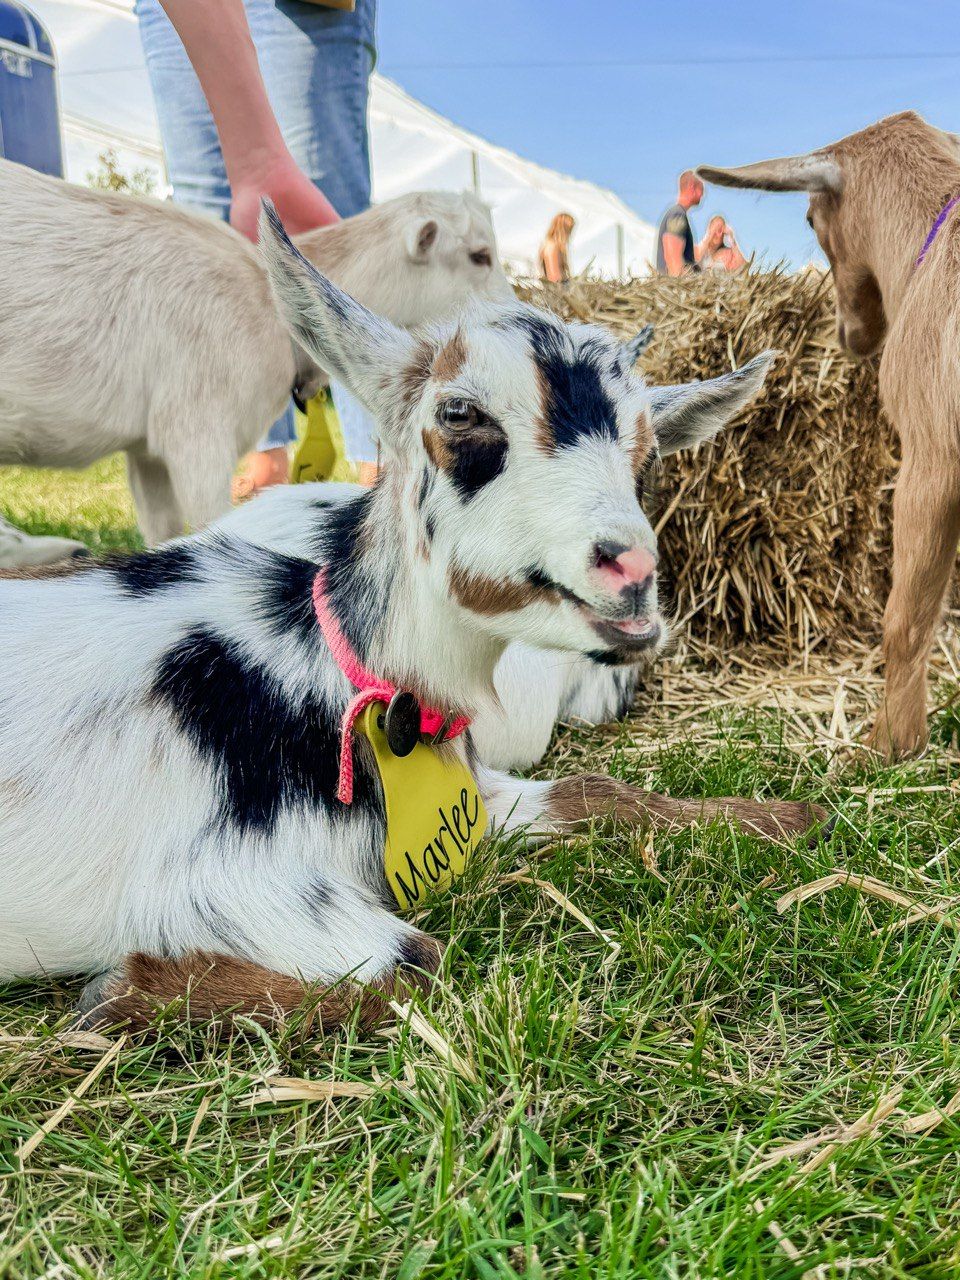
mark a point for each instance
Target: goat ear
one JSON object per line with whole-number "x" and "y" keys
{"x": 689, "y": 414}
{"x": 633, "y": 348}
{"x": 363, "y": 350}
{"x": 814, "y": 172}
{"x": 421, "y": 237}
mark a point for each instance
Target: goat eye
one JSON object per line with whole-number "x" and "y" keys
{"x": 482, "y": 258}
{"x": 457, "y": 413}
{"x": 809, "y": 219}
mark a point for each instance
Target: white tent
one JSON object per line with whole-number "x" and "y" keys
{"x": 106, "y": 102}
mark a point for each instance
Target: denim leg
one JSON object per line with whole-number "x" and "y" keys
{"x": 191, "y": 147}
{"x": 316, "y": 66}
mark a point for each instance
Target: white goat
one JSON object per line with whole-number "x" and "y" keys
{"x": 172, "y": 814}
{"x": 133, "y": 324}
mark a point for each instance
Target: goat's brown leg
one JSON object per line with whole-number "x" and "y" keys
{"x": 926, "y": 528}
{"x": 549, "y": 807}
{"x": 220, "y": 987}
{"x": 574, "y": 800}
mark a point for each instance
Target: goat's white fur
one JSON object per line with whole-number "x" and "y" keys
{"x": 131, "y": 324}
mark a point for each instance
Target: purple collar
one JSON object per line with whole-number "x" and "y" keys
{"x": 932, "y": 233}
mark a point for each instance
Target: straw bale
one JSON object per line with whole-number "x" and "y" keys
{"x": 778, "y": 532}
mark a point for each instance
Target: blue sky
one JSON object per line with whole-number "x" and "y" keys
{"x": 626, "y": 93}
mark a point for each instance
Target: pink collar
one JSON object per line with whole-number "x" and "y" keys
{"x": 370, "y": 689}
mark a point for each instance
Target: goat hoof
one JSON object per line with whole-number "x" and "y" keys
{"x": 95, "y": 1009}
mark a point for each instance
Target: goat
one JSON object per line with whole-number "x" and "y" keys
{"x": 131, "y": 324}
{"x": 877, "y": 198}
{"x": 173, "y": 816}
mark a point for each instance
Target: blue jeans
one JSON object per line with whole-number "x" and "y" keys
{"x": 316, "y": 64}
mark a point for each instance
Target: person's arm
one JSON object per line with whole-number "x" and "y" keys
{"x": 735, "y": 259}
{"x": 217, "y": 39}
{"x": 673, "y": 254}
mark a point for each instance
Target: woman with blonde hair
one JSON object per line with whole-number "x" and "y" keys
{"x": 553, "y": 258}
{"x": 718, "y": 250}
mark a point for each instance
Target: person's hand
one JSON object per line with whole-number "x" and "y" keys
{"x": 300, "y": 205}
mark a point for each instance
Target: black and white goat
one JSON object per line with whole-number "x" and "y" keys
{"x": 168, "y": 812}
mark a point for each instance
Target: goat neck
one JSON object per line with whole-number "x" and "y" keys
{"x": 391, "y": 599}
{"x": 901, "y": 200}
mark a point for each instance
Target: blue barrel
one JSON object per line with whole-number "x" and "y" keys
{"x": 29, "y": 99}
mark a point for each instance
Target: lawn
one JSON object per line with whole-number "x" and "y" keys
{"x": 646, "y": 1058}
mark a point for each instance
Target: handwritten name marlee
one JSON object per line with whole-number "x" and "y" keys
{"x": 446, "y": 854}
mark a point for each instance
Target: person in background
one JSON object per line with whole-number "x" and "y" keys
{"x": 553, "y": 257}
{"x": 275, "y": 104}
{"x": 718, "y": 250}
{"x": 676, "y": 255}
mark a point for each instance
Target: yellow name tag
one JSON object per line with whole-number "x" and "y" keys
{"x": 435, "y": 815}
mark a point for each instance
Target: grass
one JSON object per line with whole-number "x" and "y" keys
{"x": 631, "y": 1059}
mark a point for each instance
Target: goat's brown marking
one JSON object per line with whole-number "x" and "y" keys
{"x": 644, "y": 442}
{"x": 16, "y": 791}
{"x": 438, "y": 448}
{"x": 223, "y": 987}
{"x": 576, "y": 800}
{"x": 489, "y": 596}
{"x": 543, "y": 432}
{"x": 450, "y": 359}
{"x": 414, "y": 377}
{"x": 62, "y": 569}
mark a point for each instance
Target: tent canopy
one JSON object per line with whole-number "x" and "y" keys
{"x": 107, "y": 102}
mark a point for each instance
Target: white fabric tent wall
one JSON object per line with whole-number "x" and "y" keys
{"x": 106, "y": 102}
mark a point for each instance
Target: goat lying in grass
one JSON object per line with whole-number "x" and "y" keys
{"x": 132, "y": 324}
{"x": 176, "y": 815}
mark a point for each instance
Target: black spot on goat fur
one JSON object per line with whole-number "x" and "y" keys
{"x": 356, "y": 598}
{"x": 477, "y": 459}
{"x": 417, "y": 951}
{"x": 285, "y": 598}
{"x": 605, "y": 657}
{"x": 148, "y": 571}
{"x": 318, "y": 897}
{"x": 577, "y": 405}
{"x": 269, "y": 753}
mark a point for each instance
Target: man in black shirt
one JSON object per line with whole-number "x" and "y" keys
{"x": 675, "y": 254}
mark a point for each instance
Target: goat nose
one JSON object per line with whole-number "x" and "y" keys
{"x": 622, "y": 566}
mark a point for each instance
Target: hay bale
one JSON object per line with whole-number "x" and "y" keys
{"x": 779, "y": 531}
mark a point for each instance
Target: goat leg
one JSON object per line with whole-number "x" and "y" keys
{"x": 220, "y": 987}
{"x": 549, "y": 807}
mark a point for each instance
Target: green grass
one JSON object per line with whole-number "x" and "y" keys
{"x": 626, "y": 1083}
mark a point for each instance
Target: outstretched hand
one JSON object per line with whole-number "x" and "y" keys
{"x": 300, "y": 205}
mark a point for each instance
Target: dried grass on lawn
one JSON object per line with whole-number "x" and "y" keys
{"x": 779, "y": 532}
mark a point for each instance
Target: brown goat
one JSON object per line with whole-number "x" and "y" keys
{"x": 874, "y": 198}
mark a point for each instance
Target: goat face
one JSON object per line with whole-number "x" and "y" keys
{"x": 861, "y": 320}
{"x": 449, "y": 254}
{"x": 523, "y": 443}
